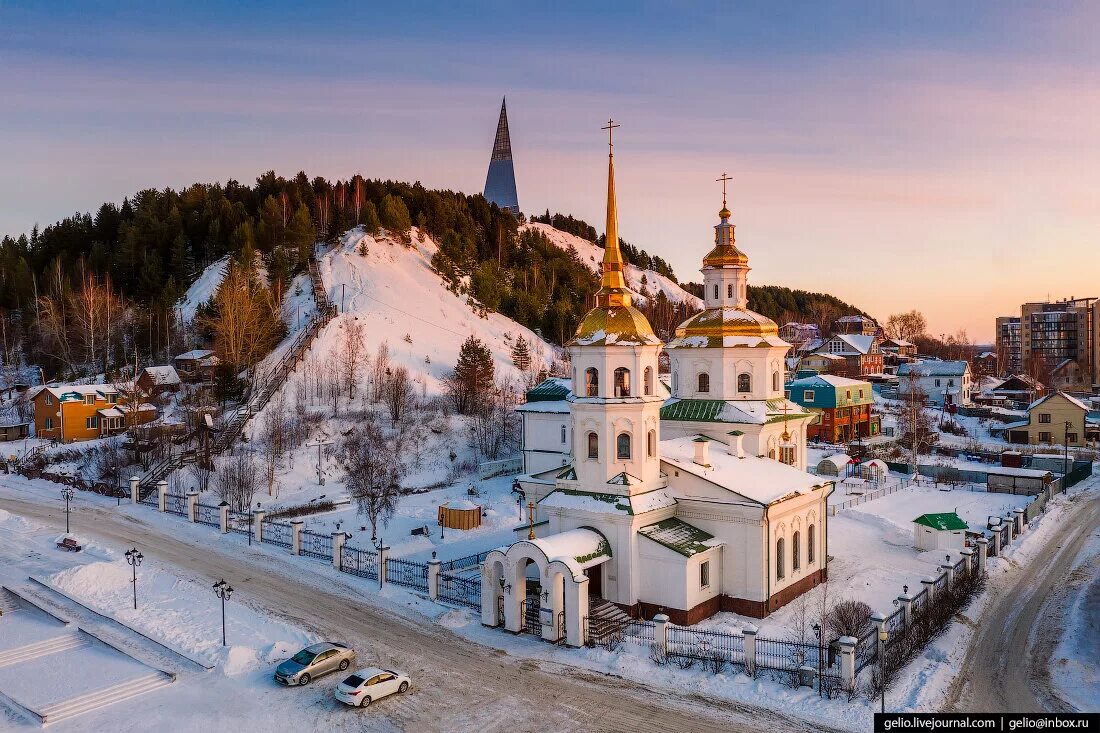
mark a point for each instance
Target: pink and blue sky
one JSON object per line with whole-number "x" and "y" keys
{"x": 939, "y": 156}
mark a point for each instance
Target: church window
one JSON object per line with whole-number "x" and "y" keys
{"x": 622, "y": 382}
{"x": 810, "y": 545}
{"x": 593, "y": 446}
{"x": 592, "y": 382}
{"x": 704, "y": 382}
{"x": 716, "y": 291}
{"x": 563, "y": 434}
{"x": 622, "y": 446}
{"x": 704, "y": 574}
{"x": 744, "y": 383}
{"x": 786, "y": 454}
{"x": 729, "y": 290}
{"x": 779, "y": 558}
{"x": 775, "y": 381}
{"x": 651, "y": 443}
{"x": 794, "y": 551}
{"x": 648, "y": 380}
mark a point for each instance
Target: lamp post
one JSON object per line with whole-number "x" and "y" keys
{"x": 1065, "y": 446}
{"x": 820, "y": 669}
{"x": 883, "y": 634}
{"x": 381, "y": 543}
{"x": 67, "y": 495}
{"x": 133, "y": 559}
{"x": 223, "y": 590}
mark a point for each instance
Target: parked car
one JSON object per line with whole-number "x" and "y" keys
{"x": 362, "y": 688}
{"x": 313, "y": 661}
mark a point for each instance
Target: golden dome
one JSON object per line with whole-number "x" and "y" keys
{"x": 725, "y": 213}
{"x": 611, "y": 325}
{"x": 725, "y": 255}
{"x": 716, "y": 323}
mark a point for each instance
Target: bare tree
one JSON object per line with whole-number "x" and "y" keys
{"x": 351, "y": 353}
{"x": 398, "y": 395}
{"x": 848, "y": 618}
{"x": 237, "y": 481}
{"x": 373, "y": 470}
{"x": 379, "y": 371}
{"x": 914, "y": 426}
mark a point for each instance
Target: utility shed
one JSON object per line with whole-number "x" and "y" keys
{"x": 945, "y": 531}
{"x": 1027, "y": 481}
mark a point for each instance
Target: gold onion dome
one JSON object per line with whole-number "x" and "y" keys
{"x": 719, "y": 322}
{"x": 725, "y": 252}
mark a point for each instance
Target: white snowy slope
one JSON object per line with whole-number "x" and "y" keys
{"x": 393, "y": 290}
{"x": 591, "y": 256}
{"x": 202, "y": 289}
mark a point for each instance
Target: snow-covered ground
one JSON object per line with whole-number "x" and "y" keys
{"x": 592, "y": 256}
{"x": 203, "y": 289}
{"x": 1075, "y": 666}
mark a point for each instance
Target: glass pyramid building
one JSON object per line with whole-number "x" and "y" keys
{"x": 500, "y": 182}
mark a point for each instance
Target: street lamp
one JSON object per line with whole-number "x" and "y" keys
{"x": 67, "y": 495}
{"x": 1065, "y": 445}
{"x": 133, "y": 559}
{"x": 223, "y": 590}
{"x": 817, "y": 633}
{"x": 883, "y": 635}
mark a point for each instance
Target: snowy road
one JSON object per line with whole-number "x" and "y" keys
{"x": 460, "y": 686}
{"x": 1005, "y": 669}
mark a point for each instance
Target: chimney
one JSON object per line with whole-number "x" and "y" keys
{"x": 702, "y": 451}
{"x": 737, "y": 444}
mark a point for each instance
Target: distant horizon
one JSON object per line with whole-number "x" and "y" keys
{"x": 937, "y": 157}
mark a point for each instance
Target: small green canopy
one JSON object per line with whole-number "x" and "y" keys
{"x": 944, "y": 521}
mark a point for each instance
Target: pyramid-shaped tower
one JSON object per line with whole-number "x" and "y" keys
{"x": 500, "y": 182}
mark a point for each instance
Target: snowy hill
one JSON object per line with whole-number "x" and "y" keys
{"x": 395, "y": 292}
{"x": 591, "y": 256}
{"x": 203, "y": 289}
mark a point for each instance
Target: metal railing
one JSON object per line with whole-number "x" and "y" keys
{"x": 240, "y": 522}
{"x": 175, "y": 504}
{"x": 316, "y": 545}
{"x": 787, "y": 656}
{"x": 705, "y": 644}
{"x": 208, "y": 514}
{"x": 468, "y": 561}
{"x": 277, "y": 533}
{"x": 460, "y": 590}
{"x": 356, "y": 561}
{"x": 407, "y": 573}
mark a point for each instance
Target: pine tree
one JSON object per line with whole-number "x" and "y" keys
{"x": 371, "y": 223}
{"x": 395, "y": 216}
{"x": 301, "y": 234}
{"x": 521, "y": 355}
{"x": 471, "y": 382}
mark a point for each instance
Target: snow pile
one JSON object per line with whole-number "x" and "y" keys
{"x": 592, "y": 256}
{"x": 203, "y": 289}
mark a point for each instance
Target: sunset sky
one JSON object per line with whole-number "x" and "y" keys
{"x": 938, "y": 156}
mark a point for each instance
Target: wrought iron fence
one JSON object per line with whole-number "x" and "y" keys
{"x": 786, "y": 656}
{"x": 895, "y": 621}
{"x": 353, "y": 560}
{"x": 407, "y": 573}
{"x": 463, "y": 562}
{"x": 208, "y": 515}
{"x": 151, "y": 499}
{"x": 175, "y": 504}
{"x": 960, "y": 566}
{"x": 606, "y": 632}
{"x": 460, "y": 590}
{"x": 240, "y": 522}
{"x": 277, "y": 533}
{"x": 705, "y": 644}
{"x": 639, "y": 630}
{"x": 919, "y": 600}
{"x": 941, "y": 584}
{"x": 866, "y": 650}
{"x": 532, "y": 619}
{"x": 316, "y": 545}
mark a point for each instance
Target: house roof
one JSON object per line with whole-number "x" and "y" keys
{"x": 679, "y": 536}
{"x": 945, "y": 522}
{"x": 934, "y": 369}
{"x": 550, "y": 389}
{"x": 762, "y": 480}
{"x": 1073, "y": 401}
{"x": 753, "y": 412}
{"x": 858, "y": 343}
{"x": 577, "y": 548}
{"x": 69, "y": 392}
{"x": 162, "y": 375}
{"x": 820, "y": 380}
{"x": 898, "y": 342}
{"x": 195, "y": 354}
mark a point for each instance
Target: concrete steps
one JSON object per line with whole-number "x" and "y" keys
{"x": 103, "y": 697}
{"x": 606, "y": 611}
{"x": 52, "y": 645}
{"x": 8, "y": 602}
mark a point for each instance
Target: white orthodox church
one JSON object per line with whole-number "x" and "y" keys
{"x": 686, "y": 504}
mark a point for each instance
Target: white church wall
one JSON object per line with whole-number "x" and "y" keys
{"x": 547, "y": 441}
{"x": 662, "y": 575}
{"x": 786, "y": 518}
{"x": 696, "y": 593}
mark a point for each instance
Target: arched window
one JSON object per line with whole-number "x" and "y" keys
{"x": 592, "y": 382}
{"x": 779, "y": 559}
{"x": 593, "y": 446}
{"x": 563, "y": 435}
{"x": 729, "y": 290}
{"x": 775, "y": 381}
{"x": 622, "y": 446}
{"x": 622, "y": 382}
{"x": 716, "y": 291}
{"x": 794, "y": 551}
{"x": 704, "y": 382}
{"x": 744, "y": 383}
{"x": 648, "y": 379}
{"x": 810, "y": 545}
{"x": 651, "y": 443}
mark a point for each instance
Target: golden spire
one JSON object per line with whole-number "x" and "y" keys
{"x": 612, "y": 290}
{"x": 725, "y": 252}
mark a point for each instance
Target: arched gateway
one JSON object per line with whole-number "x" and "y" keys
{"x": 559, "y": 592}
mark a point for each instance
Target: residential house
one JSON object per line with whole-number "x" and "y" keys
{"x": 861, "y": 354}
{"x": 197, "y": 365}
{"x": 984, "y": 364}
{"x": 84, "y": 411}
{"x": 823, "y": 363}
{"x": 858, "y": 325}
{"x": 842, "y": 405}
{"x": 158, "y": 380}
{"x": 1056, "y": 419}
{"x": 942, "y": 382}
{"x": 897, "y": 351}
{"x": 797, "y": 334}
{"x": 1019, "y": 388}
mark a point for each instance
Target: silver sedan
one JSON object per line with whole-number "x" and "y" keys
{"x": 314, "y": 661}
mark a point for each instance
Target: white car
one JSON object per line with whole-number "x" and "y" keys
{"x": 365, "y": 686}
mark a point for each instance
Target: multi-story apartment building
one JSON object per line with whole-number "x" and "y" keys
{"x": 1008, "y": 345}
{"x": 1053, "y": 342}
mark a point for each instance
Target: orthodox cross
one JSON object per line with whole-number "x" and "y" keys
{"x": 725, "y": 177}
{"x": 531, "y": 520}
{"x": 610, "y": 127}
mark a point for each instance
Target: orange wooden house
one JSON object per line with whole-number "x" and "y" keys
{"x": 84, "y": 411}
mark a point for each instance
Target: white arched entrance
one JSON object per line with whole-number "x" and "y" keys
{"x": 562, "y": 587}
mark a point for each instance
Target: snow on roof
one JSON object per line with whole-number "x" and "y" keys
{"x": 679, "y": 536}
{"x": 934, "y": 369}
{"x": 1020, "y": 472}
{"x": 588, "y": 501}
{"x": 899, "y": 342}
{"x": 945, "y": 522}
{"x": 577, "y": 548}
{"x": 854, "y": 319}
{"x": 1073, "y": 400}
{"x": 860, "y": 344}
{"x": 559, "y": 406}
{"x": 110, "y": 412}
{"x": 831, "y": 379}
{"x": 75, "y": 391}
{"x": 763, "y": 480}
{"x": 754, "y": 412}
{"x": 163, "y": 375}
{"x": 195, "y": 354}
{"x": 839, "y": 460}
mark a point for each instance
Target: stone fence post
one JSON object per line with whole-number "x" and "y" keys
{"x": 192, "y": 504}
{"x": 338, "y": 539}
{"x": 906, "y": 602}
{"x": 383, "y": 556}
{"x": 162, "y": 491}
{"x": 997, "y": 541}
{"x": 224, "y": 509}
{"x": 847, "y": 646}
{"x": 135, "y": 489}
{"x": 929, "y": 584}
{"x": 296, "y": 536}
{"x": 968, "y": 555}
{"x": 983, "y": 554}
{"x": 660, "y": 632}
{"x": 750, "y": 632}
{"x": 948, "y": 570}
{"x": 1021, "y": 520}
{"x": 433, "y": 579}
{"x": 258, "y": 525}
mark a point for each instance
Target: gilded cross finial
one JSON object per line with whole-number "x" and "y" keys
{"x": 531, "y": 520}
{"x": 610, "y": 127}
{"x": 725, "y": 177}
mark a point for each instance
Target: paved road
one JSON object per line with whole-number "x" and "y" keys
{"x": 461, "y": 686}
{"x": 1006, "y": 664}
